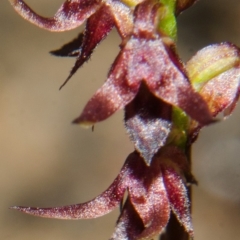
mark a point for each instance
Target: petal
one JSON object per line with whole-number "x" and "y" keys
{"x": 178, "y": 197}
{"x": 71, "y": 49}
{"x": 129, "y": 224}
{"x": 222, "y": 92}
{"x": 70, "y": 15}
{"x": 148, "y": 195}
{"x": 115, "y": 94}
{"x": 97, "y": 28}
{"x": 97, "y": 207}
{"x": 148, "y": 122}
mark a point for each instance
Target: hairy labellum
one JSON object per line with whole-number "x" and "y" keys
{"x": 148, "y": 122}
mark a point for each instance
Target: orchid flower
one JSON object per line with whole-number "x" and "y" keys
{"x": 165, "y": 102}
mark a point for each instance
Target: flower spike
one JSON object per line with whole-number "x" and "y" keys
{"x": 165, "y": 103}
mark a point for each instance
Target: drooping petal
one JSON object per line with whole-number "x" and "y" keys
{"x": 97, "y": 207}
{"x": 71, "y": 49}
{"x": 178, "y": 197}
{"x": 70, "y": 15}
{"x": 97, "y": 28}
{"x": 114, "y": 95}
{"x": 147, "y": 194}
{"x": 148, "y": 122}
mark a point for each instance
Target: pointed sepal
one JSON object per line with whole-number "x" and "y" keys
{"x": 97, "y": 28}
{"x": 97, "y": 207}
{"x": 178, "y": 197}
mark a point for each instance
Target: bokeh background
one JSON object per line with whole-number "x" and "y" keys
{"x": 46, "y": 161}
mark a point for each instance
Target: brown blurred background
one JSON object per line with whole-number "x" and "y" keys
{"x": 47, "y": 161}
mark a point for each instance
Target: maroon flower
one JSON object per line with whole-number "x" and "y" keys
{"x": 144, "y": 57}
{"x": 101, "y": 17}
{"x": 152, "y": 192}
{"x": 149, "y": 58}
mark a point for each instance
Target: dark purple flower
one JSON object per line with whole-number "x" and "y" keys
{"x": 152, "y": 193}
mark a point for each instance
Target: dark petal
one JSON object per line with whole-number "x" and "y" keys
{"x": 129, "y": 224}
{"x": 148, "y": 122}
{"x": 114, "y": 95}
{"x": 97, "y": 28}
{"x": 70, "y": 15}
{"x": 178, "y": 196}
{"x": 148, "y": 195}
{"x": 71, "y": 49}
{"x": 97, "y": 207}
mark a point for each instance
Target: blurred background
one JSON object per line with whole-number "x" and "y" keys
{"x": 46, "y": 161}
